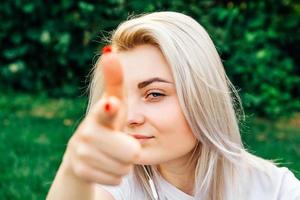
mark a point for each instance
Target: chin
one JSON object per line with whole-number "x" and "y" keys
{"x": 146, "y": 160}
{"x": 149, "y": 160}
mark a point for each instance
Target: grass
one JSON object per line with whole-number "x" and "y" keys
{"x": 35, "y": 130}
{"x": 34, "y": 133}
{"x": 278, "y": 141}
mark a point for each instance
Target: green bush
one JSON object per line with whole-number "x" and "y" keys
{"x": 51, "y": 47}
{"x": 47, "y": 46}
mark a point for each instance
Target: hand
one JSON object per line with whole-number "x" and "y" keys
{"x": 98, "y": 152}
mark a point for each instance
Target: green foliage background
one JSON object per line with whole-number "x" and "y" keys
{"x": 51, "y": 47}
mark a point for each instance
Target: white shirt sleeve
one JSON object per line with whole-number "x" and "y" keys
{"x": 290, "y": 186}
{"x": 270, "y": 183}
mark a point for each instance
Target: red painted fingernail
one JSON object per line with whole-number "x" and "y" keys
{"x": 106, "y": 49}
{"x": 107, "y": 107}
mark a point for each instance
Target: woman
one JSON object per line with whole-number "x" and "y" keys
{"x": 164, "y": 125}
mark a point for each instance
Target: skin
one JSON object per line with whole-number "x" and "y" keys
{"x": 95, "y": 152}
{"x": 154, "y": 110}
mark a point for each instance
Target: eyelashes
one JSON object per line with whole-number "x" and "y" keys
{"x": 154, "y": 96}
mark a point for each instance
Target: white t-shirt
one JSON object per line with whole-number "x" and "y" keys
{"x": 283, "y": 185}
{"x": 130, "y": 190}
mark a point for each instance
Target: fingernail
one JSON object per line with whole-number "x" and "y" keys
{"x": 106, "y": 49}
{"x": 107, "y": 107}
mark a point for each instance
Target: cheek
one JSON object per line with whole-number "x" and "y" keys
{"x": 172, "y": 129}
{"x": 174, "y": 137}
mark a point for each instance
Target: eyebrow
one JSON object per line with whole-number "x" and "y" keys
{"x": 151, "y": 80}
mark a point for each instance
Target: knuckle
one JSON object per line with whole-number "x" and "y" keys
{"x": 82, "y": 151}
{"x": 80, "y": 171}
{"x": 119, "y": 166}
{"x": 85, "y": 132}
{"x": 110, "y": 180}
{"x": 132, "y": 155}
{"x": 132, "y": 149}
{"x": 116, "y": 180}
{"x": 125, "y": 170}
{"x": 72, "y": 143}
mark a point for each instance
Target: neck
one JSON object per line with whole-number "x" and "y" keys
{"x": 180, "y": 173}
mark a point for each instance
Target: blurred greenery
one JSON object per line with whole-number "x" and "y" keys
{"x": 51, "y": 47}
{"x": 34, "y": 133}
{"x": 35, "y": 130}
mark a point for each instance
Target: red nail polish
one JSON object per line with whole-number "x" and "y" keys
{"x": 106, "y": 49}
{"x": 107, "y": 107}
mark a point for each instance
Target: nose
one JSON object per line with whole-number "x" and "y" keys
{"x": 135, "y": 115}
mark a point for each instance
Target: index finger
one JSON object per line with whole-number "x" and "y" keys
{"x": 113, "y": 77}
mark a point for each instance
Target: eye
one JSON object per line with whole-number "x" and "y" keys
{"x": 154, "y": 96}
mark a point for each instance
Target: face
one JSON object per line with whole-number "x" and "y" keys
{"x": 153, "y": 107}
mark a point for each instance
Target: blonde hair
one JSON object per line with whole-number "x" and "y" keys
{"x": 209, "y": 101}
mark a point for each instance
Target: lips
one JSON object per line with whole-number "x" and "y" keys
{"x": 136, "y": 136}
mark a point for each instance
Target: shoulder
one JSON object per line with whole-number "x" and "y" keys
{"x": 128, "y": 189}
{"x": 289, "y": 185}
{"x": 269, "y": 181}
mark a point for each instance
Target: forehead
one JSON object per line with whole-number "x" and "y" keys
{"x": 144, "y": 62}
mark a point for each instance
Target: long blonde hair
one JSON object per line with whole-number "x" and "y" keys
{"x": 209, "y": 101}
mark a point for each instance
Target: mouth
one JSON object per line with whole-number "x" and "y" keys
{"x": 141, "y": 137}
